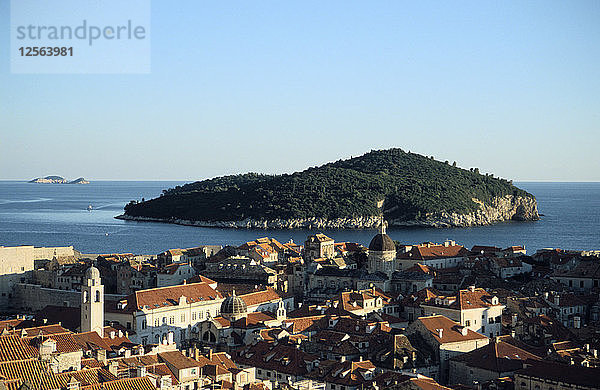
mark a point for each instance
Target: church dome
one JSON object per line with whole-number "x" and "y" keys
{"x": 382, "y": 243}
{"x": 92, "y": 273}
{"x": 234, "y": 305}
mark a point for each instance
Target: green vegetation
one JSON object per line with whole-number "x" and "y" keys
{"x": 411, "y": 185}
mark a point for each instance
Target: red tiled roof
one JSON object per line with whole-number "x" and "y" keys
{"x": 143, "y": 383}
{"x": 90, "y": 341}
{"x": 256, "y": 298}
{"x": 13, "y": 347}
{"x": 169, "y": 296}
{"x": 435, "y": 251}
{"x": 451, "y": 331}
{"x": 178, "y": 360}
{"x": 282, "y": 358}
{"x": 425, "y": 383}
{"x": 466, "y": 299}
{"x": 34, "y": 371}
{"x": 499, "y": 357}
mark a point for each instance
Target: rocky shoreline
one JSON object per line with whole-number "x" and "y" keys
{"x": 501, "y": 209}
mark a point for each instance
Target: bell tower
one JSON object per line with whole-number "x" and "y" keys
{"x": 92, "y": 302}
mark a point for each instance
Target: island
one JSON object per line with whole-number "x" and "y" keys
{"x": 407, "y": 189}
{"x": 58, "y": 180}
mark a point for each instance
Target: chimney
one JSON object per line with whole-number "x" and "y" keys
{"x": 113, "y": 368}
{"x": 141, "y": 371}
{"x": 440, "y": 333}
{"x": 210, "y": 354}
{"x": 472, "y": 288}
{"x": 170, "y": 338}
{"x": 463, "y": 331}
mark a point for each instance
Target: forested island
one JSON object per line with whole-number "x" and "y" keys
{"x": 407, "y": 189}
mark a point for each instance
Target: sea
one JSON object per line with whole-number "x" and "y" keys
{"x": 59, "y": 215}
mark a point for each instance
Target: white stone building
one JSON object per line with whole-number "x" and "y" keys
{"x": 473, "y": 308}
{"x": 448, "y": 338}
{"x": 167, "y": 313}
{"x": 174, "y": 274}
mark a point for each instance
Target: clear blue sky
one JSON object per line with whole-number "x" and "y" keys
{"x": 275, "y": 86}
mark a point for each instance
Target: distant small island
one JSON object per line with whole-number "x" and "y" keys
{"x": 58, "y": 180}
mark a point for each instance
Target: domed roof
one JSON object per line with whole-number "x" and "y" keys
{"x": 381, "y": 243}
{"x": 92, "y": 273}
{"x": 234, "y": 305}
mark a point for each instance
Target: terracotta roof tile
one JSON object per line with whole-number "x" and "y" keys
{"x": 169, "y": 296}
{"x": 143, "y": 383}
{"x": 451, "y": 331}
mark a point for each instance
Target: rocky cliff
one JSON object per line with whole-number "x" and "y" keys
{"x": 500, "y": 209}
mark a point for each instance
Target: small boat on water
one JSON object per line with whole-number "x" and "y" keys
{"x": 89, "y": 208}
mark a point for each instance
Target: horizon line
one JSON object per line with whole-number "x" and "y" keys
{"x": 208, "y": 178}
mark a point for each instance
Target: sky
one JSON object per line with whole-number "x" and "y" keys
{"x": 510, "y": 87}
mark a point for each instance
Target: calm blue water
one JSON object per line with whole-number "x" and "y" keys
{"x": 56, "y": 215}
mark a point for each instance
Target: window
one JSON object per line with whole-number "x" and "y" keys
{"x": 468, "y": 323}
{"x": 259, "y": 371}
{"x": 164, "y": 320}
{"x": 172, "y": 320}
{"x": 483, "y": 329}
{"x": 581, "y": 283}
{"x": 193, "y": 316}
{"x": 128, "y": 325}
{"x": 144, "y": 324}
{"x": 183, "y": 317}
{"x": 156, "y": 322}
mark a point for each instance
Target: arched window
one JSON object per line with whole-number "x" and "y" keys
{"x": 97, "y": 295}
{"x": 209, "y": 336}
